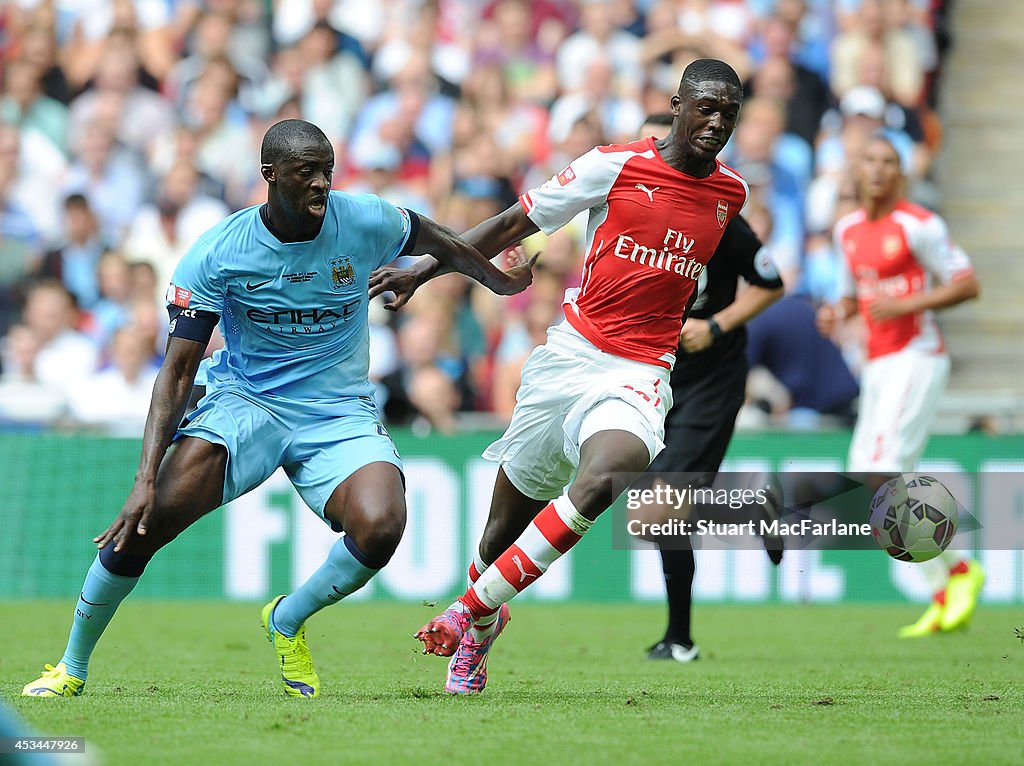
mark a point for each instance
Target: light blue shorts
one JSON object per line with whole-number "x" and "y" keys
{"x": 317, "y": 451}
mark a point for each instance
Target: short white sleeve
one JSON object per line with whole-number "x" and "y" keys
{"x": 933, "y": 249}
{"x": 584, "y": 184}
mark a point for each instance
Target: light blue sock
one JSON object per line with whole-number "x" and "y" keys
{"x": 343, "y": 573}
{"x": 102, "y": 593}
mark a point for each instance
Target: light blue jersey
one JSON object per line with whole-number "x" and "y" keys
{"x": 293, "y": 315}
{"x": 290, "y": 388}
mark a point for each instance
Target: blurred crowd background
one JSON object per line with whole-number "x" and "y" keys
{"x": 129, "y": 127}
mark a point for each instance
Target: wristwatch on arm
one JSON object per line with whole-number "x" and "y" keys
{"x": 716, "y": 331}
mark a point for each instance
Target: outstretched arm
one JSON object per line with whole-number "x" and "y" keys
{"x": 486, "y": 240}
{"x": 171, "y": 393}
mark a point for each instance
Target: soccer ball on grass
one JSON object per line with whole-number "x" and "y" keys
{"x": 913, "y": 517}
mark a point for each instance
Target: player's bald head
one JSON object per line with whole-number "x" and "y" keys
{"x": 290, "y": 137}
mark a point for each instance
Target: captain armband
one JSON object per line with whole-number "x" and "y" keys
{"x": 191, "y": 324}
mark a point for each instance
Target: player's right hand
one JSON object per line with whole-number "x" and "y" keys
{"x": 133, "y": 518}
{"x": 521, "y": 272}
{"x": 401, "y": 282}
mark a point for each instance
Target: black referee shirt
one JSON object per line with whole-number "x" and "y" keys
{"x": 739, "y": 254}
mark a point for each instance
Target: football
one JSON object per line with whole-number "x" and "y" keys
{"x": 913, "y": 517}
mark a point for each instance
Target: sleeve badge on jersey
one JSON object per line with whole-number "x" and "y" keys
{"x": 566, "y": 176}
{"x": 764, "y": 264}
{"x": 723, "y": 213}
{"x": 178, "y": 296}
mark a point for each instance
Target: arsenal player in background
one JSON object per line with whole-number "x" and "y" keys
{"x": 900, "y": 267}
{"x": 592, "y": 404}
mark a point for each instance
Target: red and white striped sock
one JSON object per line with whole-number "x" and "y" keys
{"x": 552, "y": 533}
{"x": 482, "y": 629}
{"x": 476, "y": 566}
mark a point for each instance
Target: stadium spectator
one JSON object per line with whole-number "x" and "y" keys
{"x": 24, "y": 399}
{"x": 144, "y": 282}
{"x": 522, "y": 47}
{"x": 376, "y": 172}
{"x": 115, "y": 399}
{"x": 109, "y": 176}
{"x": 75, "y": 262}
{"x": 598, "y": 36}
{"x": 164, "y": 229}
{"x": 65, "y": 356}
{"x": 669, "y": 47}
{"x": 20, "y": 238}
{"x": 826, "y": 204}
{"x": 774, "y": 163}
{"x": 904, "y": 59}
{"x": 223, "y": 141}
{"x": 134, "y": 114}
{"x": 583, "y": 133}
{"x": 428, "y": 345}
{"x": 507, "y": 118}
{"x": 33, "y": 171}
{"x": 620, "y": 116}
{"x": 518, "y": 341}
{"x": 39, "y": 47}
{"x": 113, "y": 309}
{"x": 335, "y": 83}
{"x": 212, "y": 38}
{"x": 84, "y": 29}
{"x": 781, "y": 73}
{"x": 26, "y": 105}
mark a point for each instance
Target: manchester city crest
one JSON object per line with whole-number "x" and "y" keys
{"x": 342, "y": 273}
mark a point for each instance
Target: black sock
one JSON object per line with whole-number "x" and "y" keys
{"x": 678, "y": 566}
{"x": 121, "y": 563}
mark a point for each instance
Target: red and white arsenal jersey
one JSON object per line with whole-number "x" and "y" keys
{"x": 895, "y": 256}
{"x": 651, "y": 232}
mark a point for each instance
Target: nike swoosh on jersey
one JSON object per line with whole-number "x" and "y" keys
{"x": 251, "y": 286}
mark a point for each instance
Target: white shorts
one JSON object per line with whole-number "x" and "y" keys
{"x": 898, "y": 396}
{"x": 559, "y": 405}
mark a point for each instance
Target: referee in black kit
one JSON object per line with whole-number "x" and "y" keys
{"x": 708, "y": 388}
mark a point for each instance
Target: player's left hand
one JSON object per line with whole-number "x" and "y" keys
{"x": 884, "y": 307}
{"x": 696, "y": 335}
{"x": 402, "y": 282}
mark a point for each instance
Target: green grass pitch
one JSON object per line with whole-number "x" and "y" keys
{"x": 195, "y": 683}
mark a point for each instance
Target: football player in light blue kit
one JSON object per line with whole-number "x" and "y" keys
{"x": 288, "y": 283}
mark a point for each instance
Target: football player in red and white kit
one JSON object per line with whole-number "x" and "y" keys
{"x": 900, "y": 267}
{"x": 593, "y": 398}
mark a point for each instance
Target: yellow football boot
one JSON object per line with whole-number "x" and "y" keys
{"x": 54, "y": 682}
{"x": 297, "y": 671}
